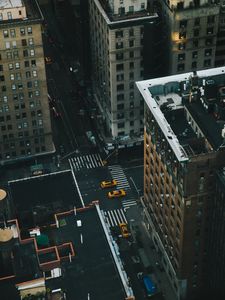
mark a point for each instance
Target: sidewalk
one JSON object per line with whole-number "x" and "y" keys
{"x": 134, "y": 215}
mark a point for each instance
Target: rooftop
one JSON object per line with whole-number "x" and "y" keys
{"x": 113, "y": 19}
{"x": 33, "y": 12}
{"x": 36, "y": 199}
{"x": 10, "y": 3}
{"x": 78, "y": 244}
{"x": 190, "y": 110}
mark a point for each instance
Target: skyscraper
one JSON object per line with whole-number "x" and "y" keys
{"x": 24, "y": 112}
{"x": 183, "y": 148}
{"x": 116, "y": 30}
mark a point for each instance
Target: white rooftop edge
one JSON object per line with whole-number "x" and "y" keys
{"x": 10, "y": 3}
{"x": 123, "y": 20}
{"x": 144, "y": 86}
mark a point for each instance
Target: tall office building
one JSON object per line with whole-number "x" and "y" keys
{"x": 116, "y": 31}
{"x": 24, "y": 111}
{"x": 191, "y": 28}
{"x": 184, "y": 146}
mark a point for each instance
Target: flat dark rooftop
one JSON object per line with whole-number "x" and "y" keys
{"x": 38, "y": 197}
{"x": 33, "y": 14}
{"x": 92, "y": 270}
{"x": 211, "y": 127}
{"x": 180, "y": 126}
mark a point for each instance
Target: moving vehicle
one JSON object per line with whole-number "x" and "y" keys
{"x": 150, "y": 287}
{"x": 110, "y": 183}
{"x": 116, "y": 194}
{"x": 124, "y": 230}
{"x": 56, "y": 114}
{"x": 48, "y": 60}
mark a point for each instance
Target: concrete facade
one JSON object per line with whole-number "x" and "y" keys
{"x": 116, "y": 45}
{"x": 24, "y": 110}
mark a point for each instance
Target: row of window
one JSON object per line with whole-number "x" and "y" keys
{"x": 181, "y": 56}
{"x": 14, "y": 44}
{"x": 196, "y": 32}
{"x": 197, "y": 21}
{"x": 28, "y": 151}
{"x": 17, "y": 76}
{"x": 12, "y": 32}
{"x": 21, "y": 86}
{"x": 194, "y": 65}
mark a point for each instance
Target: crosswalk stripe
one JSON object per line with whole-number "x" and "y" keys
{"x": 117, "y": 216}
{"x": 86, "y": 161}
{"x": 114, "y": 217}
{"x": 119, "y": 175}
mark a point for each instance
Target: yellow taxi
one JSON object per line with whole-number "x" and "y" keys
{"x": 124, "y": 230}
{"x": 106, "y": 184}
{"x": 115, "y": 194}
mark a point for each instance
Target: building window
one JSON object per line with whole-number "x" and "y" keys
{"x": 208, "y": 52}
{"x": 194, "y": 65}
{"x": 119, "y": 34}
{"x": 131, "y": 75}
{"x": 120, "y": 106}
{"x": 131, "y": 54}
{"x": 180, "y": 67}
{"x": 9, "y": 15}
{"x": 196, "y": 32}
{"x": 12, "y": 33}
{"x": 131, "y": 32}
{"x": 131, "y": 8}
{"x": 120, "y": 125}
{"x": 120, "y": 77}
{"x": 195, "y": 54}
{"x": 10, "y": 66}
{"x": 29, "y": 30}
{"x": 32, "y": 52}
{"x": 1, "y": 17}
{"x": 183, "y": 23}
{"x": 181, "y": 46}
{"x": 33, "y": 63}
{"x": 17, "y": 65}
{"x": 142, "y": 5}
{"x": 16, "y": 54}
{"x": 30, "y": 41}
{"x": 181, "y": 56}
{"x": 22, "y": 31}
{"x": 119, "y": 55}
{"x": 7, "y": 45}
{"x": 131, "y": 65}
{"x": 120, "y": 97}
{"x": 119, "y": 45}
{"x": 120, "y": 87}
{"x": 25, "y": 53}
{"x": 24, "y": 42}
{"x": 209, "y": 30}
{"x": 211, "y": 19}
{"x": 26, "y": 64}
{"x": 208, "y": 42}
{"x": 195, "y": 43}
{"x": 5, "y": 33}
{"x": 14, "y": 44}
{"x": 119, "y": 67}
{"x": 182, "y": 35}
{"x": 207, "y": 63}
{"x": 197, "y": 22}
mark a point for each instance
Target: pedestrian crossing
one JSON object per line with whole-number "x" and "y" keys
{"x": 127, "y": 203}
{"x": 118, "y": 174}
{"x": 114, "y": 217}
{"x": 88, "y": 161}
